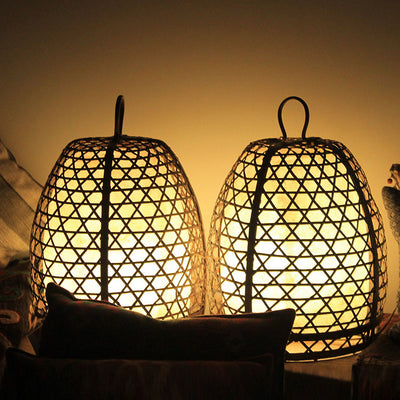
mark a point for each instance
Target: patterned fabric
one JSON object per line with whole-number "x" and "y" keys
{"x": 46, "y": 378}
{"x": 4, "y": 345}
{"x": 19, "y": 193}
{"x": 376, "y": 375}
{"x": 391, "y": 200}
{"x": 16, "y": 317}
{"x": 377, "y": 380}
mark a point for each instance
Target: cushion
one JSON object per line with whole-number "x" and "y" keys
{"x": 95, "y": 330}
{"x": 19, "y": 194}
{"x": 51, "y": 378}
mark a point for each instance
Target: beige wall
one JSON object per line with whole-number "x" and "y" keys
{"x": 204, "y": 76}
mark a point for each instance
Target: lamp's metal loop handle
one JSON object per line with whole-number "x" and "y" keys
{"x": 119, "y": 117}
{"x": 306, "y": 119}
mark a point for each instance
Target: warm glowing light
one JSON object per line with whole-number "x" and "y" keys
{"x": 118, "y": 221}
{"x": 307, "y": 242}
{"x": 295, "y": 226}
{"x": 127, "y": 272}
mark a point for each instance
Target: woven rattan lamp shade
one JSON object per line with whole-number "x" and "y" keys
{"x": 295, "y": 226}
{"x": 118, "y": 221}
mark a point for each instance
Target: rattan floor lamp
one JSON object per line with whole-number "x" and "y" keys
{"x": 118, "y": 221}
{"x": 295, "y": 226}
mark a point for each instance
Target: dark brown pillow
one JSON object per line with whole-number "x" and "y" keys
{"x": 84, "y": 329}
{"x": 90, "y": 329}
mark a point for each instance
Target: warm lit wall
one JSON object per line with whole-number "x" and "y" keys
{"x": 204, "y": 76}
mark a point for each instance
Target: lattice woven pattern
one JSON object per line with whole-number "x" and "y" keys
{"x": 295, "y": 226}
{"x": 154, "y": 249}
